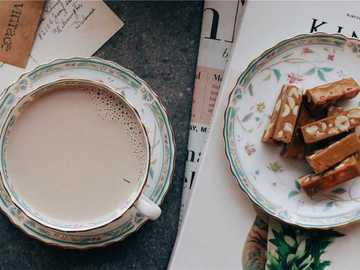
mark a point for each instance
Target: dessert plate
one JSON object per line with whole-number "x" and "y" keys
{"x": 157, "y": 125}
{"x": 268, "y": 179}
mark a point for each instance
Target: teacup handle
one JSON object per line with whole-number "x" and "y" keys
{"x": 148, "y": 208}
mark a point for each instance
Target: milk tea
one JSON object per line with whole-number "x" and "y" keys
{"x": 76, "y": 153}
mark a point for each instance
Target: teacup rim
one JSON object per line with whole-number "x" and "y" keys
{"x": 139, "y": 190}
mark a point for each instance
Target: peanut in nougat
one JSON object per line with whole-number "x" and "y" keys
{"x": 289, "y": 110}
{"x": 331, "y": 126}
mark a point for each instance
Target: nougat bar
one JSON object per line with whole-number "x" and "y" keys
{"x": 327, "y": 94}
{"x": 345, "y": 171}
{"x": 290, "y": 103}
{"x": 269, "y": 131}
{"x": 324, "y": 159}
{"x": 296, "y": 148}
{"x": 331, "y": 126}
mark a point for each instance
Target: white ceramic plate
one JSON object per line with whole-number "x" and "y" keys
{"x": 267, "y": 178}
{"x": 156, "y": 123}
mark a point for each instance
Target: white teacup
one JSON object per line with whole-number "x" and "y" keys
{"x": 75, "y": 156}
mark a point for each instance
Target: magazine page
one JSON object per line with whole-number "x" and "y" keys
{"x": 219, "y": 215}
{"x": 218, "y": 32}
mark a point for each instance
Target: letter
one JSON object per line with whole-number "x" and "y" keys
{"x": 198, "y": 159}
{"x": 9, "y": 32}
{"x": 6, "y": 45}
{"x": 214, "y": 24}
{"x": 198, "y": 75}
{"x": 191, "y": 155}
{"x": 218, "y": 77}
{"x": 18, "y": 5}
{"x": 16, "y": 12}
{"x": 192, "y": 179}
{"x": 314, "y": 26}
{"x": 213, "y": 99}
{"x": 226, "y": 53}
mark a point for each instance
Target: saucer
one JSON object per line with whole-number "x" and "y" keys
{"x": 268, "y": 179}
{"x": 157, "y": 125}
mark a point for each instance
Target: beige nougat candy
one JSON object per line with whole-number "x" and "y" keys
{"x": 327, "y": 94}
{"x": 345, "y": 171}
{"x": 289, "y": 110}
{"x": 331, "y": 126}
{"x": 269, "y": 131}
{"x": 335, "y": 153}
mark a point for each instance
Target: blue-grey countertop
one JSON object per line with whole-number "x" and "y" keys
{"x": 159, "y": 42}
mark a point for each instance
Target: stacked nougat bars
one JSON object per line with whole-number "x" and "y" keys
{"x": 310, "y": 127}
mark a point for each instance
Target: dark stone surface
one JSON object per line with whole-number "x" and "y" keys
{"x": 159, "y": 42}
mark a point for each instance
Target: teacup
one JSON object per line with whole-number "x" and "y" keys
{"x": 75, "y": 156}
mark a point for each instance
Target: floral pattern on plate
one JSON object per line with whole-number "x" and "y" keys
{"x": 267, "y": 178}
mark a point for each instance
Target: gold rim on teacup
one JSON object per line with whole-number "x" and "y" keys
{"x": 138, "y": 200}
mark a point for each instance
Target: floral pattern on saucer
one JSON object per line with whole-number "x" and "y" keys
{"x": 267, "y": 178}
{"x": 157, "y": 125}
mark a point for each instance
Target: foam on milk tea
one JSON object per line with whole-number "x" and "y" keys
{"x": 76, "y": 153}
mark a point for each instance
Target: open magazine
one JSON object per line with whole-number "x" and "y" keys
{"x": 219, "y": 26}
{"x": 216, "y": 225}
